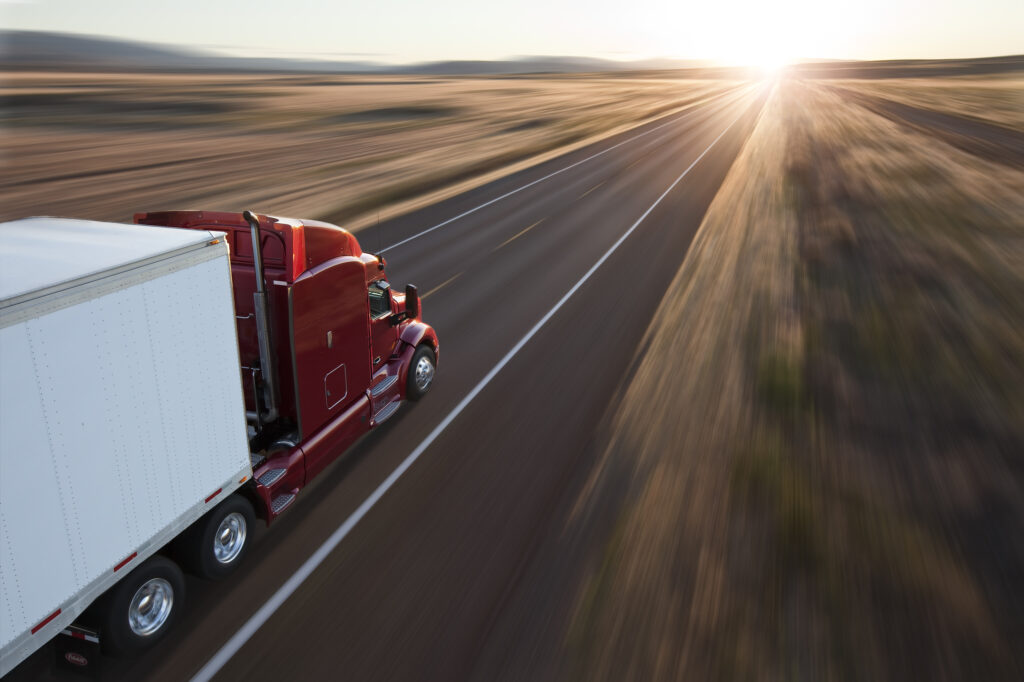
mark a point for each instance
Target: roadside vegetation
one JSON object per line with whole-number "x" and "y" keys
{"x": 824, "y": 440}
{"x": 340, "y": 148}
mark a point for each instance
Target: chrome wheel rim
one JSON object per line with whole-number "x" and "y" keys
{"x": 424, "y": 373}
{"x": 229, "y": 539}
{"x": 151, "y": 607}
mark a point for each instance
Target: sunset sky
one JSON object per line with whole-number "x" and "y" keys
{"x": 732, "y": 31}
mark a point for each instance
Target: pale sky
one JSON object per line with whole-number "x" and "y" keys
{"x": 733, "y": 31}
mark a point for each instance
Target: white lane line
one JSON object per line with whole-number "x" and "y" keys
{"x": 264, "y": 613}
{"x": 683, "y": 114}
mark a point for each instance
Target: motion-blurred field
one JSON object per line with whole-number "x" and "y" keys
{"x": 824, "y": 443}
{"x": 820, "y": 457}
{"x": 339, "y": 148}
{"x": 993, "y": 99}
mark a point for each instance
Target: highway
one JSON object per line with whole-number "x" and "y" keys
{"x": 451, "y": 552}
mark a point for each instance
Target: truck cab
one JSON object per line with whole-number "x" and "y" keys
{"x": 327, "y": 348}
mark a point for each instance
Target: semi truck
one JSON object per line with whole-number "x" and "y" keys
{"x": 164, "y": 384}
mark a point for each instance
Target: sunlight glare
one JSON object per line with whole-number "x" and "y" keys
{"x": 752, "y": 33}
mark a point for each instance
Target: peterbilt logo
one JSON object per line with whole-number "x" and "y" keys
{"x": 76, "y": 659}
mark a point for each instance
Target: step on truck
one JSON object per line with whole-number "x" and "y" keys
{"x": 164, "y": 384}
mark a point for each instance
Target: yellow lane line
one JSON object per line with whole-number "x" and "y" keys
{"x": 591, "y": 190}
{"x": 510, "y": 240}
{"x": 635, "y": 162}
{"x": 440, "y": 286}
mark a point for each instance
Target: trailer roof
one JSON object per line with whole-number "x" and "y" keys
{"x": 41, "y": 253}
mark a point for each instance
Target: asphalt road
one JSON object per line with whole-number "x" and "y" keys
{"x": 461, "y": 569}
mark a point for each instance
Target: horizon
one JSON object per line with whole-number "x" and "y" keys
{"x": 373, "y": 61}
{"x": 735, "y": 33}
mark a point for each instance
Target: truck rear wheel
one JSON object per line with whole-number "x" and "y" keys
{"x": 421, "y": 372}
{"x": 141, "y": 608}
{"x": 216, "y": 544}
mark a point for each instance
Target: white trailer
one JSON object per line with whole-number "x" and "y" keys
{"x": 122, "y": 422}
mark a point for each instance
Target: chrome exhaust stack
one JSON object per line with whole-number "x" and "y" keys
{"x": 262, "y": 314}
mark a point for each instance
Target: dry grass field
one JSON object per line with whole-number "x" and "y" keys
{"x": 340, "y": 148}
{"x": 984, "y": 118}
{"x": 995, "y": 99}
{"x": 824, "y": 442}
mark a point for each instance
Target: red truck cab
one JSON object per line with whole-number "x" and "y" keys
{"x": 328, "y": 350}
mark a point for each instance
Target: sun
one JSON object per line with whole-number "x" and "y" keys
{"x": 771, "y": 64}
{"x": 766, "y": 57}
{"x": 766, "y": 39}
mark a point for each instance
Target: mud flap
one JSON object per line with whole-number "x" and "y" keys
{"x": 78, "y": 650}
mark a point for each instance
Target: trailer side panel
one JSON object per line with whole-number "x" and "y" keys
{"x": 120, "y": 414}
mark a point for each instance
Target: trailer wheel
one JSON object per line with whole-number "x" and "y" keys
{"x": 216, "y": 544}
{"x": 141, "y": 608}
{"x": 421, "y": 372}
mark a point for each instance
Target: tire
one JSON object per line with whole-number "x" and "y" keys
{"x": 217, "y": 543}
{"x": 142, "y": 608}
{"x": 421, "y": 373}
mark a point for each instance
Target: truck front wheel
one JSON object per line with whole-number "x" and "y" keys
{"x": 141, "y": 608}
{"x": 421, "y": 372}
{"x": 216, "y": 544}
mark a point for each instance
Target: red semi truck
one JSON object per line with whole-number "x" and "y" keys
{"x": 328, "y": 350}
{"x": 140, "y": 429}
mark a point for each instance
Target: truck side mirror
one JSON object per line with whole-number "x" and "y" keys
{"x": 412, "y": 302}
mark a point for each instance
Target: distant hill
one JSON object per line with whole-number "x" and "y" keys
{"x": 909, "y": 68}
{"x": 40, "y": 49}
{"x": 69, "y": 52}
{"x": 545, "y": 64}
